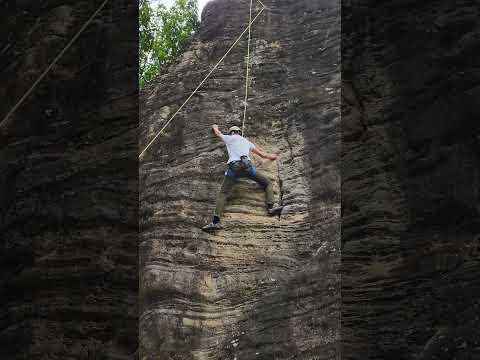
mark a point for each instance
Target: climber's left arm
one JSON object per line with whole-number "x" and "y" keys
{"x": 257, "y": 150}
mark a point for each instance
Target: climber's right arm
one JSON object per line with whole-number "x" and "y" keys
{"x": 216, "y": 131}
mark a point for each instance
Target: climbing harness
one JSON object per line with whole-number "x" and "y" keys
{"x": 52, "y": 64}
{"x": 240, "y": 167}
{"x": 245, "y": 162}
{"x": 251, "y": 21}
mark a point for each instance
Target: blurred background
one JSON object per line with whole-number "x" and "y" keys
{"x": 165, "y": 28}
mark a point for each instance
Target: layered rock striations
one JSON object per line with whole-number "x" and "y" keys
{"x": 410, "y": 180}
{"x": 68, "y": 182}
{"x": 261, "y": 288}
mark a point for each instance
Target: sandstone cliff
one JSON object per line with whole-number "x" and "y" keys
{"x": 68, "y": 190}
{"x": 410, "y": 173}
{"x": 263, "y": 287}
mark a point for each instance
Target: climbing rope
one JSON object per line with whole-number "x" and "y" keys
{"x": 208, "y": 75}
{"x": 52, "y": 64}
{"x": 248, "y": 68}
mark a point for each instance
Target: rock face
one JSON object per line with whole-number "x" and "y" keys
{"x": 410, "y": 173}
{"x": 263, "y": 287}
{"x": 68, "y": 189}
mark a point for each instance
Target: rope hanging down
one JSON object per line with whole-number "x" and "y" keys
{"x": 206, "y": 77}
{"x": 248, "y": 68}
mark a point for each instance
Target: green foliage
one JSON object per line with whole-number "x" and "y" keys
{"x": 163, "y": 34}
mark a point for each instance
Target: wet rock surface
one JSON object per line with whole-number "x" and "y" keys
{"x": 68, "y": 189}
{"x": 262, "y": 287}
{"x": 410, "y": 173}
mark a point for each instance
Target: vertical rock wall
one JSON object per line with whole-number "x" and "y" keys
{"x": 68, "y": 189}
{"x": 262, "y": 287}
{"x": 410, "y": 172}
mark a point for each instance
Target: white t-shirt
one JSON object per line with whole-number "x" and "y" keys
{"x": 237, "y": 146}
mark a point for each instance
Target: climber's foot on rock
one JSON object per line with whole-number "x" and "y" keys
{"x": 275, "y": 210}
{"x": 212, "y": 227}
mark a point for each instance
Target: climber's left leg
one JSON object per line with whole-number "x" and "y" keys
{"x": 268, "y": 187}
{"x": 265, "y": 183}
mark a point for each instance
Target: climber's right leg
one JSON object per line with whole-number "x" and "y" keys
{"x": 225, "y": 190}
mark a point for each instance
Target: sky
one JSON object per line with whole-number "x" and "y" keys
{"x": 168, "y": 3}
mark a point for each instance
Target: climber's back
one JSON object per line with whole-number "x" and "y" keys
{"x": 237, "y": 146}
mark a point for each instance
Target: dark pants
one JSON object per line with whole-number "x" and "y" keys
{"x": 236, "y": 170}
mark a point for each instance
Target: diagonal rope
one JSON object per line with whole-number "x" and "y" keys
{"x": 248, "y": 68}
{"x": 52, "y": 64}
{"x": 261, "y": 3}
{"x": 201, "y": 83}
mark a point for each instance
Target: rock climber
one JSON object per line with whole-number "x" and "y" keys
{"x": 239, "y": 165}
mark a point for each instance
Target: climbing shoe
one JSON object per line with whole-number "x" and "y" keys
{"x": 274, "y": 210}
{"x": 212, "y": 227}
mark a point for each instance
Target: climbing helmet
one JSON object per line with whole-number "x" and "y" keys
{"x": 234, "y": 129}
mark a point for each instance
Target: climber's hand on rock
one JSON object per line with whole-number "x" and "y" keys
{"x": 216, "y": 131}
{"x": 273, "y": 157}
